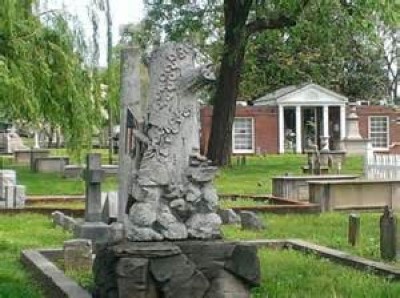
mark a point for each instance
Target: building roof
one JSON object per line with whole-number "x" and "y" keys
{"x": 304, "y": 94}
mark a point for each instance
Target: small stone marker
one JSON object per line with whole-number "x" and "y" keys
{"x": 228, "y": 216}
{"x": 251, "y": 221}
{"x": 110, "y": 207}
{"x": 78, "y": 254}
{"x": 93, "y": 177}
{"x": 58, "y": 218}
{"x": 93, "y": 228}
{"x": 69, "y": 223}
{"x": 354, "y": 229}
{"x": 388, "y": 235}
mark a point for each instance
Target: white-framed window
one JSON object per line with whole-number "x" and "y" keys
{"x": 243, "y": 135}
{"x": 378, "y": 131}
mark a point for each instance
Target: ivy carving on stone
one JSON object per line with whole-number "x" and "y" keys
{"x": 173, "y": 196}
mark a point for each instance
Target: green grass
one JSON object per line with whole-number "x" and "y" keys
{"x": 329, "y": 229}
{"x": 255, "y": 177}
{"x": 51, "y": 183}
{"x": 82, "y": 159}
{"x": 252, "y": 178}
{"x": 54, "y": 184}
{"x": 23, "y": 232}
{"x": 284, "y": 273}
{"x": 62, "y": 204}
{"x": 292, "y": 274}
{"x": 226, "y": 203}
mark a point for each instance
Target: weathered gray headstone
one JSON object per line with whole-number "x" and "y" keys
{"x": 7, "y": 177}
{"x": 93, "y": 178}
{"x": 69, "y": 223}
{"x": 388, "y": 235}
{"x": 354, "y": 229}
{"x": 228, "y": 216}
{"x": 9, "y": 193}
{"x": 251, "y": 221}
{"x": 78, "y": 254}
{"x": 19, "y": 196}
{"x": 110, "y": 207}
{"x": 58, "y": 218}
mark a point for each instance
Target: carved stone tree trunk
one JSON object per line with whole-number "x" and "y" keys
{"x": 220, "y": 143}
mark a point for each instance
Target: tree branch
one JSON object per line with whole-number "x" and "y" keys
{"x": 279, "y": 22}
{"x": 264, "y": 24}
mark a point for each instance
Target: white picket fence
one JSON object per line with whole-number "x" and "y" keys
{"x": 382, "y": 166}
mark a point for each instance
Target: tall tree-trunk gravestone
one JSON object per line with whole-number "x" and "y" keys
{"x": 167, "y": 196}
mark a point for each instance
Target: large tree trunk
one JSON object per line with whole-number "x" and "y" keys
{"x": 220, "y": 143}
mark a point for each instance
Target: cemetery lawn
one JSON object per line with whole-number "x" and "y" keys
{"x": 284, "y": 273}
{"x": 22, "y": 232}
{"x": 54, "y": 183}
{"x": 252, "y": 178}
{"x": 255, "y": 177}
{"x": 328, "y": 229}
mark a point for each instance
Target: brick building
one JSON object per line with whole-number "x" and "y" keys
{"x": 295, "y": 118}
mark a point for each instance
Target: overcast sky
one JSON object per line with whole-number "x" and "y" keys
{"x": 123, "y": 12}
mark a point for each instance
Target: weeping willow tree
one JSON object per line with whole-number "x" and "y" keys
{"x": 43, "y": 77}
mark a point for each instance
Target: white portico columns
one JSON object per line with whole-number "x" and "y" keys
{"x": 281, "y": 128}
{"x": 342, "y": 122}
{"x": 325, "y": 119}
{"x": 298, "y": 130}
{"x": 36, "y": 138}
{"x": 325, "y": 128}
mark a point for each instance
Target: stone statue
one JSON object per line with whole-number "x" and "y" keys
{"x": 172, "y": 195}
{"x": 167, "y": 189}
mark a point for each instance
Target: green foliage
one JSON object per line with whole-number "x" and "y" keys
{"x": 327, "y": 47}
{"x": 333, "y": 44}
{"x": 43, "y": 80}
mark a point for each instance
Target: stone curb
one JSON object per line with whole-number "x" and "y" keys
{"x": 344, "y": 258}
{"x": 337, "y": 256}
{"x": 51, "y": 279}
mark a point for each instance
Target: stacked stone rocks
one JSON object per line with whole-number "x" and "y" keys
{"x": 196, "y": 269}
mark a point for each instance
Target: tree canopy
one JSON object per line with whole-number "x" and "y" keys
{"x": 263, "y": 45}
{"x": 43, "y": 77}
{"x": 334, "y": 43}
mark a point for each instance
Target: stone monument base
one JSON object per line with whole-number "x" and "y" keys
{"x": 181, "y": 269}
{"x": 355, "y": 146}
{"x": 99, "y": 232}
